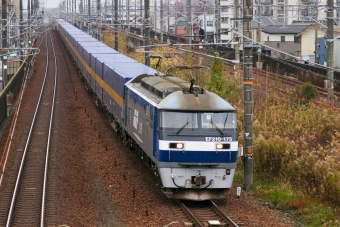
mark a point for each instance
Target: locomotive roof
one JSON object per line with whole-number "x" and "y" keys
{"x": 189, "y": 102}
{"x": 175, "y": 96}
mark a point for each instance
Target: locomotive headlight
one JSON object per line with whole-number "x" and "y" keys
{"x": 176, "y": 145}
{"x": 222, "y": 146}
{"x": 180, "y": 145}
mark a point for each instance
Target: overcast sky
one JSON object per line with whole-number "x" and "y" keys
{"x": 47, "y": 3}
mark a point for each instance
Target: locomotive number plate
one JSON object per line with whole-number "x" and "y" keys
{"x": 219, "y": 139}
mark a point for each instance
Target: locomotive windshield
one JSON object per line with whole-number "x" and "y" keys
{"x": 178, "y": 121}
{"x": 207, "y": 122}
{"x": 219, "y": 120}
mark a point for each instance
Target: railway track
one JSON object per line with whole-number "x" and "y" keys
{"x": 286, "y": 84}
{"x": 32, "y": 195}
{"x": 205, "y": 213}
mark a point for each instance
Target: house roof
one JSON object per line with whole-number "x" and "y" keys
{"x": 284, "y": 29}
{"x": 336, "y": 29}
{"x": 302, "y": 22}
{"x": 265, "y": 21}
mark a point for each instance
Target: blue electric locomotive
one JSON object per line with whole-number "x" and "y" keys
{"x": 187, "y": 135}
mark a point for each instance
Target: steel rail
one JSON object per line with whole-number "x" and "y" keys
{"x": 49, "y": 136}
{"x": 213, "y": 207}
{"x": 15, "y": 192}
{"x": 223, "y": 215}
{"x": 189, "y": 213}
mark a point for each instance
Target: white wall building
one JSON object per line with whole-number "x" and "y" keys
{"x": 207, "y": 24}
{"x": 288, "y": 10}
{"x": 227, "y": 11}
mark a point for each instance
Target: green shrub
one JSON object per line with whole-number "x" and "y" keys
{"x": 304, "y": 93}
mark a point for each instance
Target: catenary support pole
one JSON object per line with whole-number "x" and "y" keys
{"x": 89, "y": 9}
{"x": 29, "y": 10}
{"x": 259, "y": 30}
{"x": 161, "y": 21}
{"x": 116, "y": 25}
{"x": 4, "y": 43}
{"x": 21, "y": 41}
{"x": 147, "y": 31}
{"x": 330, "y": 50}
{"x": 247, "y": 95}
{"x": 189, "y": 21}
{"x": 237, "y": 37}
{"x": 141, "y": 17}
{"x": 217, "y": 37}
{"x": 316, "y": 39}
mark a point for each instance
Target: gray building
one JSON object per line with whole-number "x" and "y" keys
{"x": 282, "y": 38}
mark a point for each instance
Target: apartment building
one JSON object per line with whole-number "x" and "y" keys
{"x": 227, "y": 13}
{"x": 287, "y": 11}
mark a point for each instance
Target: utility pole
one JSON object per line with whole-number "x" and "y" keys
{"x": 121, "y": 12}
{"x": 161, "y": 21}
{"x": 259, "y": 33}
{"x": 135, "y": 14}
{"x": 316, "y": 38}
{"x": 71, "y": 10}
{"x": 98, "y": 12}
{"x": 316, "y": 43}
{"x": 330, "y": 50}
{"x": 32, "y": 4}
{"x": 237, "y": 39}
{"x": 128, "y": 15}
{"x": 29, "y": 10}
{"x": 105, "y": 13}
{"x": 99, "y": 20}
{"x": 147, "y": 31}
{"x": 218, "y": 21}
{"x": 21, "y": 30}
{"x": 4, "y": 43}
{"x": 75, "y": 8}
{"x": 89, "y": 8}
{"x": 66, "y": 9}
{"x": 247, "y": 95}
{"x": 116, "y": 25}
{"x": 189, "y": 23}
{"x": 205, "y": 24}
{"x": 141, "y": 17}
{"x": 168, "y": 20}
{"x": 155, "y": 17}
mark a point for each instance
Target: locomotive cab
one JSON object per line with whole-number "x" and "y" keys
{"x": 191, "y": 135}
{"x": 197, "y": 145}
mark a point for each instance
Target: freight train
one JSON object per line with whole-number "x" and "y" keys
{"x": 187, "y": 135}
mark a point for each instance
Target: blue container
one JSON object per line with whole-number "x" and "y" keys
{"x": 115, "y": 75}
